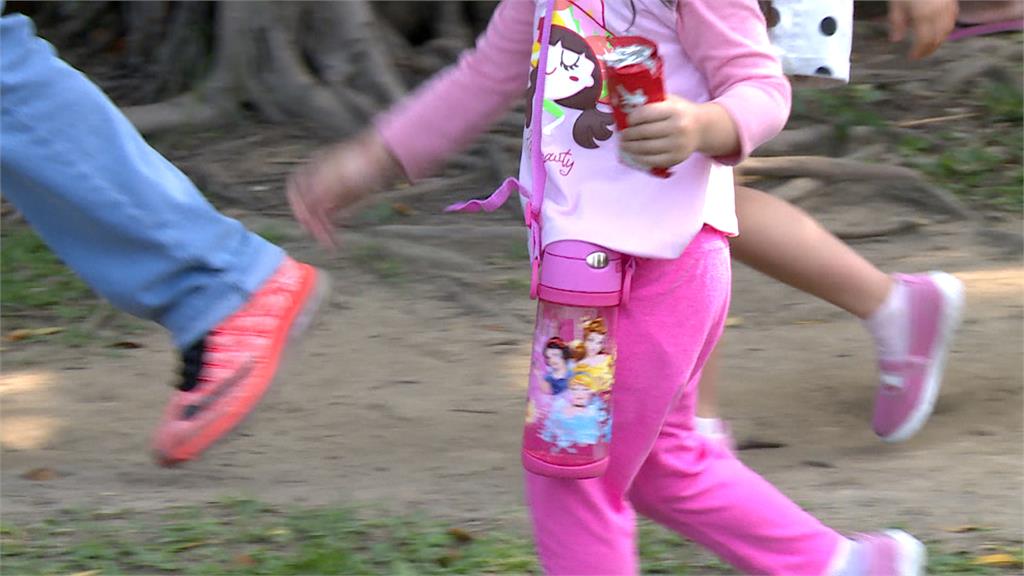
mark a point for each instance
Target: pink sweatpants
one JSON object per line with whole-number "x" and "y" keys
{"x": 659, "y": 466}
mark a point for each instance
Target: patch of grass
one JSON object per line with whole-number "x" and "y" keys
{"x": 981, "y": 163}
{"x": 1003, "y": 101}
{"x": 242, "y": 536}
{"x": 516, "y": 284}
{"x": 912, "y": 144}
{"x": 77, "y": 337}
{"x": 37, "y": 291}
{"x": 843, "y": 106}
{"x": 663, "y": 552}
{"x": 968, "y": 563}
{"x": 377, "y": 260}
{"x": 518, "y": 251}
{"x": 380, "y": 214}
{"x": 34, "y": 281}
{"x": 246, "y": 537}
{"x": 983, "y": 167}
{"x": 274, "y": 234}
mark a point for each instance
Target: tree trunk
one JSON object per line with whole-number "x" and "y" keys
{"x": 312, "y": 62}
{"x": 331, "y": 65}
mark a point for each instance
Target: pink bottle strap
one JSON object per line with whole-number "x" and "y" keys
{"x": 627, "y": 280}
{"x": 536, "y": 155}
{"x": 535, "y": 196}
{"x": 532, "y": 214}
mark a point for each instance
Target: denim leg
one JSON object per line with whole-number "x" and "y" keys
{"x": 111, "y": 207}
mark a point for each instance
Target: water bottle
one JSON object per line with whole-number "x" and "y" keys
{"x": 572, "y": 369}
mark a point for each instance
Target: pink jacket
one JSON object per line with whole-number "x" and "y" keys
{"x": 714, "y": 50}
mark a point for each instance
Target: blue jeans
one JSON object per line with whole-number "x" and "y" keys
{"x": 111, "y": 207}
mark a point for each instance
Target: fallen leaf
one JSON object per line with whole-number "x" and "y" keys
{"x": 108, "y": 514}
{"x": 279, "y": 533}
{"x": 733, "y": 321}
{"x": 965, "y": 528}
{"x": 756, "y": 444}
{"x": 191, "y": 545}
{"x": 1001, "y": 560}
{"x": 86, "y": 573}
{"x": 25, "y": 333}
{"x": 244, "y": 560}
{"x": 804, "y": 322}
{"x": 460, "y": 534}
{"x": 40, "y": 474}
{"x": 402, "y": 209}
{"x": 818, "y": 464}
{"x": 125, "y": 345}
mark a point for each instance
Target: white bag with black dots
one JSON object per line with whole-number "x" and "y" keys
{"x": 813, "y": 37}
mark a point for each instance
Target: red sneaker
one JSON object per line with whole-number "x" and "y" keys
{"x": 227, "y": 373}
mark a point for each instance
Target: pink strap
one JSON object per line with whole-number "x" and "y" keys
{"x": 532, "y": 212}
{"x": 535, "y": 198}
{"x": 497, "y": 200}
{"x": 491, "y": 203}
{"x": 971, "y": 30}
{"x": 536, "y": 154}
{"x": 627, "y": 281}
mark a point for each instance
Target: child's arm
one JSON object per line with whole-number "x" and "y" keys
{"x": 437, "y": 120}
{"x": 448, "y": 111}
{"x": 728, "y": 41}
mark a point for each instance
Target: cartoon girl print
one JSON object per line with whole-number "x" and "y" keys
{"x": 574, "y": 80}
{"x": 591, "y": 357}
{"x": 578, "y": 417}
{"x": 558, "y": 358}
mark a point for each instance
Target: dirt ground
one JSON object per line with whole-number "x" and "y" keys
{"x": 401, "y": 398}
{"x": 408, "y": 395}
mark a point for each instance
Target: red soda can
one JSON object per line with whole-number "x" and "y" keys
{"x": 634, "y": 72}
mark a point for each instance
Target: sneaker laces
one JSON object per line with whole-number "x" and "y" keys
{"x": 192, "y": 365}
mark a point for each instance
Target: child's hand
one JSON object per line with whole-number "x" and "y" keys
{"x": 930, "y": 20}
{"x": 662, "y": 134}
{"x": 336, "y": 179}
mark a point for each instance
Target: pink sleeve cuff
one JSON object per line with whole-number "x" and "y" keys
{"x": 755, "y": 124}
{"x": 416, "y": 155}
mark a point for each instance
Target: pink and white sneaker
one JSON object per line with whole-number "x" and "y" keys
{"x": 890, "y": 553}
{"x": 913, "y": 354}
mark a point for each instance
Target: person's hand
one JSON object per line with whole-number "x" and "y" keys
{"x": 662, "y": 134}
{"x": 335, "y": 180}
{"x": 929, "y": 20}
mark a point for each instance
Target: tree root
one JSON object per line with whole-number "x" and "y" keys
{"x": 901, "y": 226}
{"x": 451, "y": 232}
{"x": 797, "y": 140}
{"x": 797, "y": 189}
{"x": 840, "y": 169}
{"x": 186, "y": 110}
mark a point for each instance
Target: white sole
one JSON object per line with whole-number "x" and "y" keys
{"x": 913, "y": 555}
{"x": 953, "y": 293}
{"x": 304, "y": 321}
